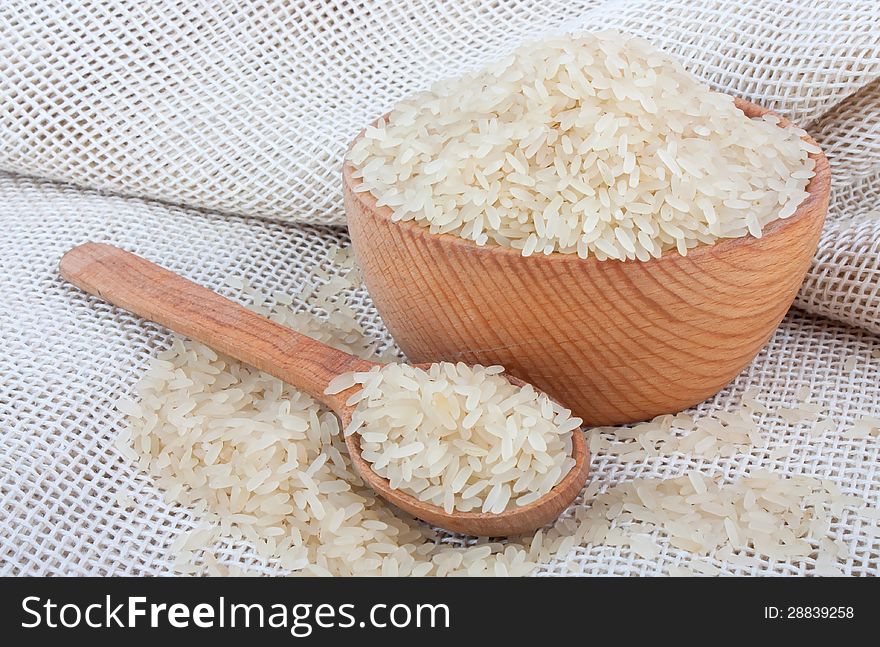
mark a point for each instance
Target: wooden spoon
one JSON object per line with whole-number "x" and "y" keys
{"x": 159, "y": 295}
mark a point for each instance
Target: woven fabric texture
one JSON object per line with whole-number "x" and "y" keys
{"x": 209, "y": 139}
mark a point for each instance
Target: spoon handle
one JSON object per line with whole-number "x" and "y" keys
{"x": 159, "y": 295}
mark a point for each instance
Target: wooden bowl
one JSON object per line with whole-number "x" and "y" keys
{"x": 616, "y": 341}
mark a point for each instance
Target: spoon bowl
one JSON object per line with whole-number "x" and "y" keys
{"x": 614, "y": 341}
{"x": 159, "y": 295}
{"x": 514, "y": 521}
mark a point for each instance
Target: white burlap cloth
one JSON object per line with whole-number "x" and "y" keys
{"x": 237, "y": 108}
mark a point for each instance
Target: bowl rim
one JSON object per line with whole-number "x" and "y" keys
{"x": 814, "y": 205}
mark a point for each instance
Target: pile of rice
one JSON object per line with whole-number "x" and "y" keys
{"x": 260, "y": 463}
{"x": 595, "y": 143}
{"x": 463, "y": 438}
{"x": 769, "y": 514}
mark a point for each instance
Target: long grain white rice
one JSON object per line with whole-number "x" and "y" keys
{"x": 460, "y": 437}
{"x": 589, "y": 144}
{"x": 205, "y": 425}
